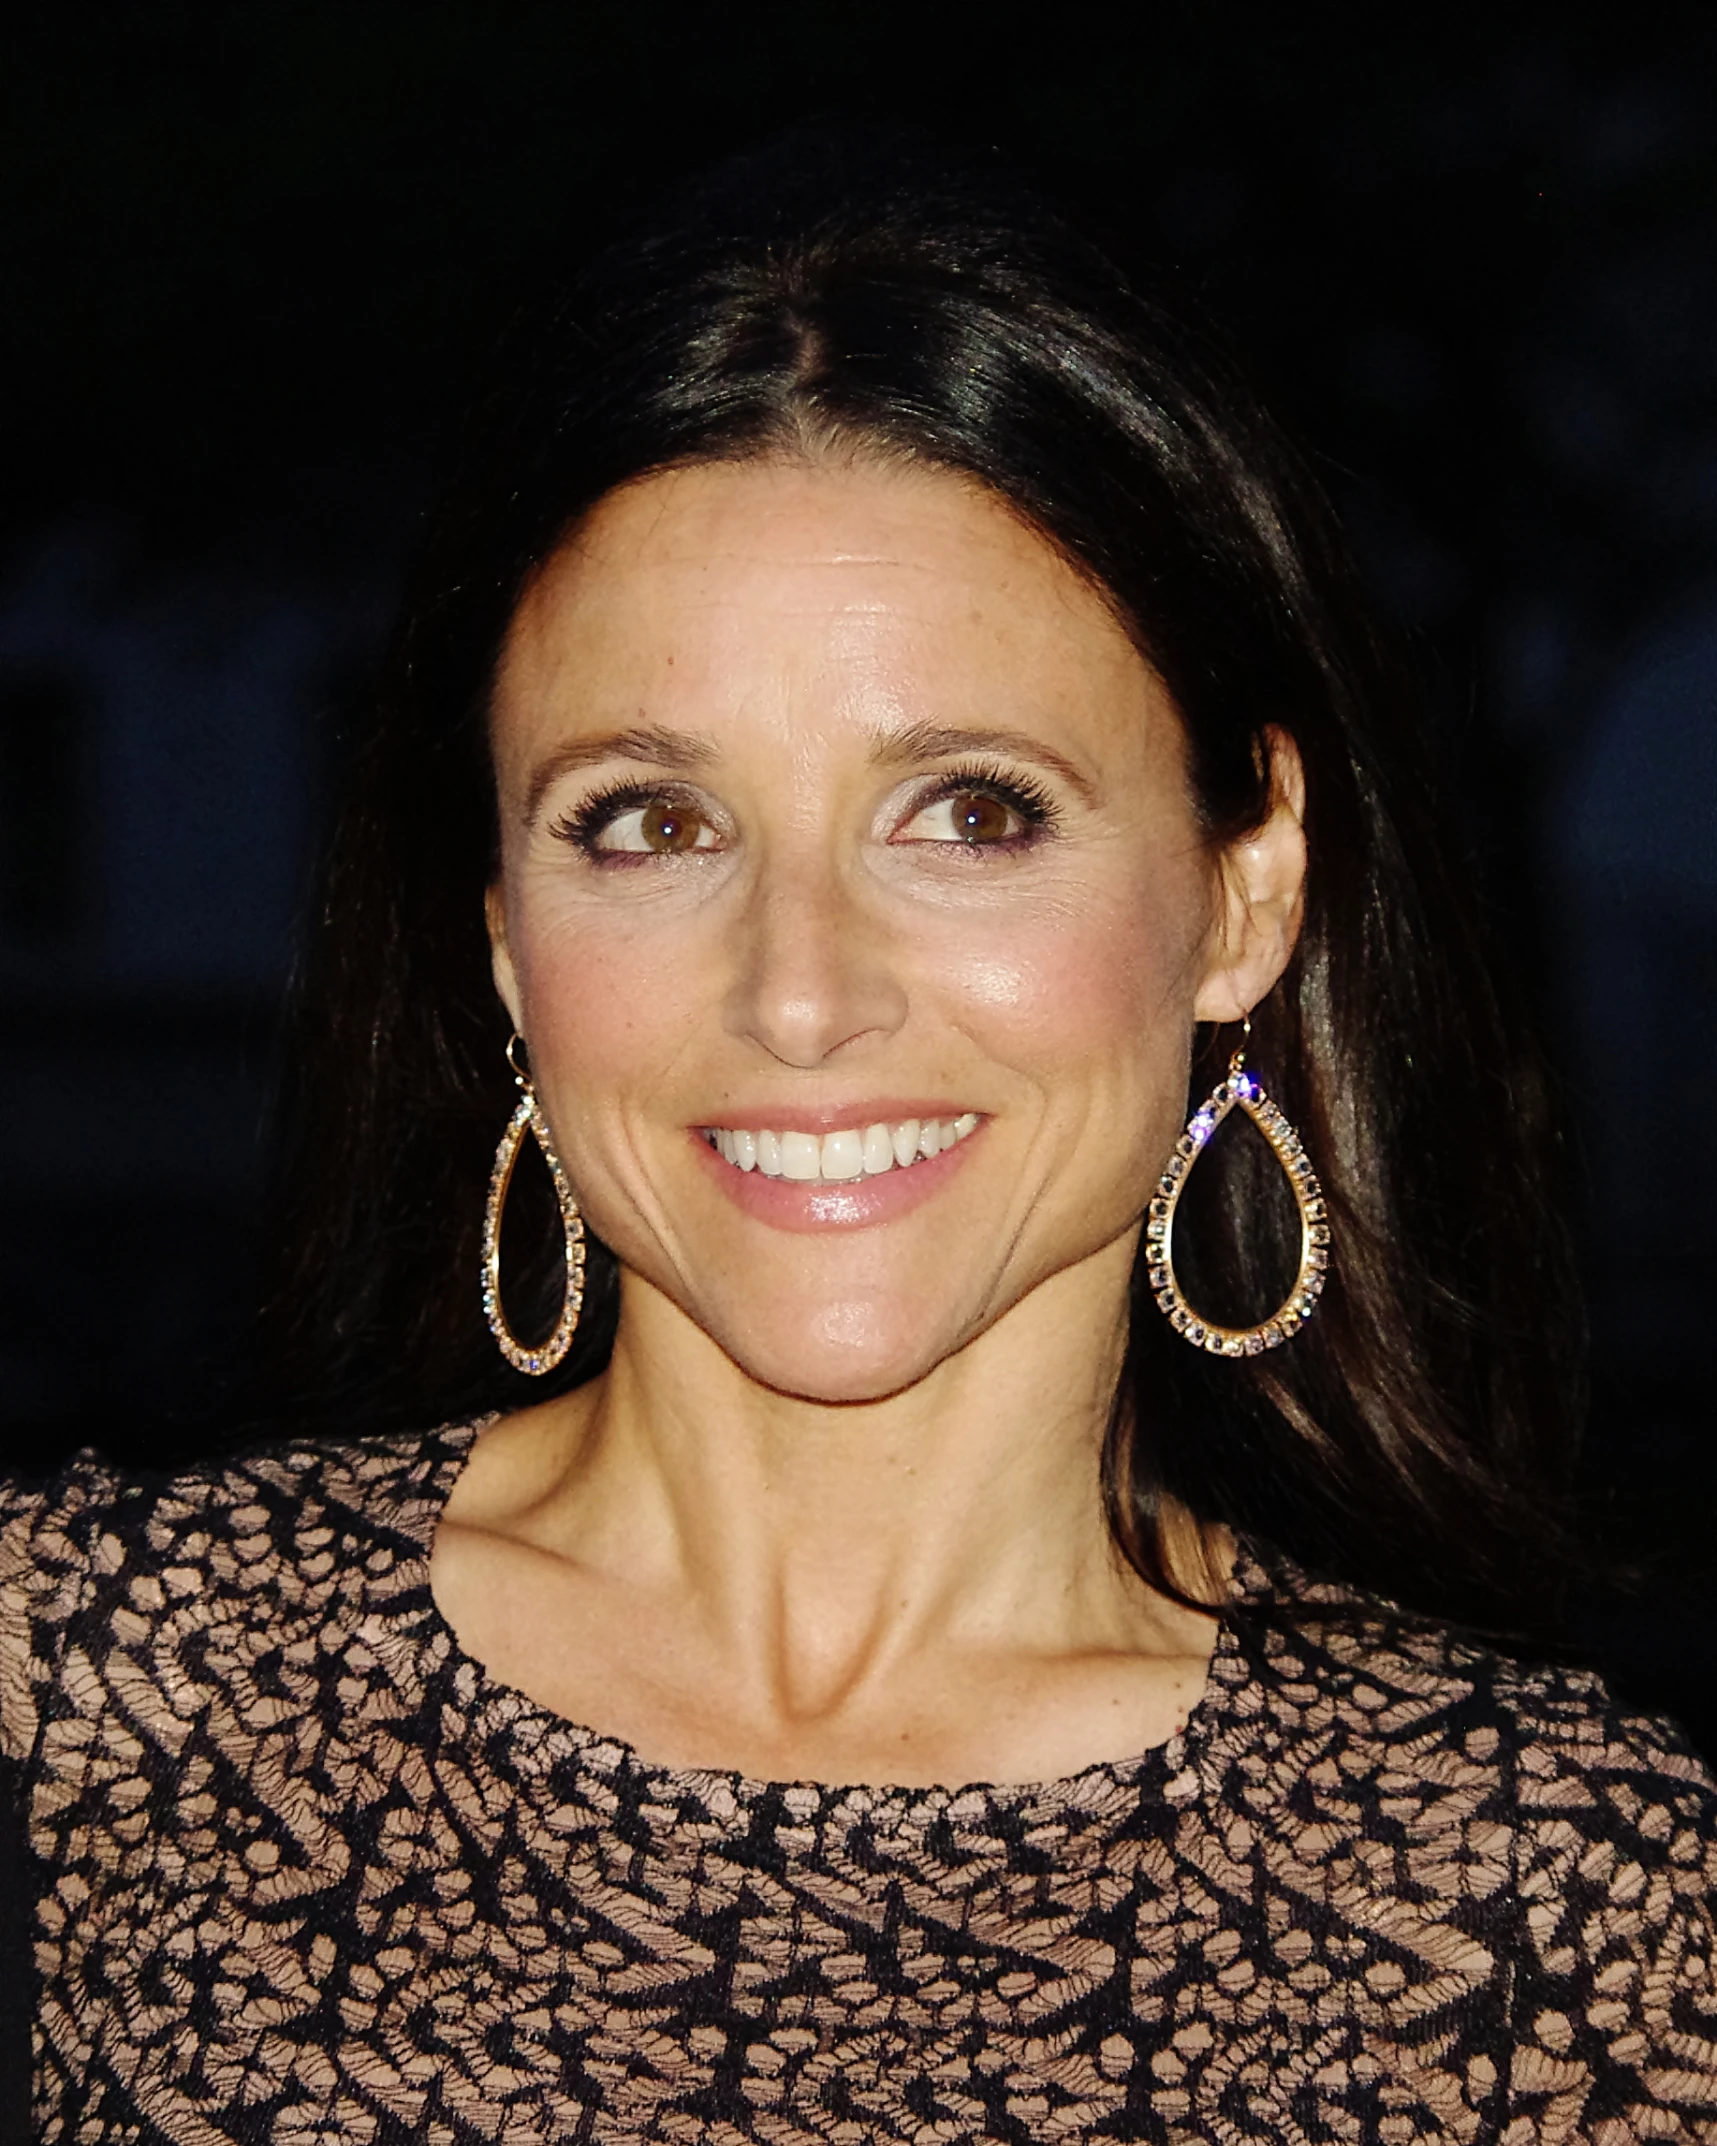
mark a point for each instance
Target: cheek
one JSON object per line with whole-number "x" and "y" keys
{"x": 605, "y": 1010}
{"x": 1108, "y": 976}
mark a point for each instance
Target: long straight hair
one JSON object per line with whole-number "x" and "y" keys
{"x": 1416, "y": 1436}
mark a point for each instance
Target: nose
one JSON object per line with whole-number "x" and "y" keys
{"x": 816, "y": 973}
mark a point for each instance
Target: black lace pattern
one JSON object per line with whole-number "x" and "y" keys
{"x": 305, "y": 1873}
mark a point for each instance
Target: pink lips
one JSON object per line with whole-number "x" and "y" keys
{"x": 861, "y": 1204}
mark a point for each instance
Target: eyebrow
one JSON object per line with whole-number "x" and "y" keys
{"x": 651, "y": 743}
{"x": 681, "y": 750}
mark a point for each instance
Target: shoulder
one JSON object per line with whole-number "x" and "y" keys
{"x": 1418, "y": 1755}
{"x": 96, "y": 1555}
{"x": 1357, "y": 1683}
{"x": 1501, "y": 1831}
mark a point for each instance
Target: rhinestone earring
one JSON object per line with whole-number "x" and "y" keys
{"x": 528, "y": 1117}
{"x": 1239, "y": 1091}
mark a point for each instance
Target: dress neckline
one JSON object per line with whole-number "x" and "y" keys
{"x": 490, "y": 1706}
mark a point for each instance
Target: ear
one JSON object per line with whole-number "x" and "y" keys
{"x": 500, "y": 955}
{"x": 1261, "y": 888}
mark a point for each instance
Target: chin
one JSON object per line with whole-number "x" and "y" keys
{"x": 840, "y": 1354}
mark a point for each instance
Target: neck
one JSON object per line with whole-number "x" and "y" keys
{"x": 823, "y": 1543}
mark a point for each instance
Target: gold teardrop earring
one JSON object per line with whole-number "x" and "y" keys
{"x": 528, "y": 1117}
{"x": 1239, "y": 1091}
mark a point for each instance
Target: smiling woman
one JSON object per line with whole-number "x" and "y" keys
{"x": 966, "y": 1604}
{"x": 908, "y": 855}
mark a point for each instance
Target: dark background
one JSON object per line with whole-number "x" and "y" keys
{"x": 248, "y": 256}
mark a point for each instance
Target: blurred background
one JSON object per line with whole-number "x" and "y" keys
{"x": 251, "y": 252}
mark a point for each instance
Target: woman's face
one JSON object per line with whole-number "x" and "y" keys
{"x": 842, "y": 823}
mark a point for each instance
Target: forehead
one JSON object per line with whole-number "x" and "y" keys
{"x": 732, "y": 586}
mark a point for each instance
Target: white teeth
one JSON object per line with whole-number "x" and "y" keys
{"x": 842, "y": 1156}
{"x": 801, "y": 1156}
{"x": 839, "y": 1158}
{"x": 878, "y": 1150}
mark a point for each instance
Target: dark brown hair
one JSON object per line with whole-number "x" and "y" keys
{"x": 1416, "y": 1436}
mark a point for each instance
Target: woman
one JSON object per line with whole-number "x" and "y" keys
{"x": 880, "y": 736}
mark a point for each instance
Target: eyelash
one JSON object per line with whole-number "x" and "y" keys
{"x": 583, "y": 825}
{"x": 585, "y": 822}
{"x": 1020, "y": 793}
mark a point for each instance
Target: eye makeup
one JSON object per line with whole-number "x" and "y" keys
{"x": 1023, "y": 795}
{"x": 586, "y": 824}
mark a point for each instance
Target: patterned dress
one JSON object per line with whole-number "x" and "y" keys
{"x": 303, "y": 1872}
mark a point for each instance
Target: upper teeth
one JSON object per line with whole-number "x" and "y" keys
{"x": 837, "y": 1158}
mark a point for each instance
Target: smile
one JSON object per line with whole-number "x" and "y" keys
{"x": 838, "y": 1158}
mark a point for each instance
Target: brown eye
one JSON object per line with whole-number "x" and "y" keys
{"x": 626, "y": 824}
{"x": 968, "y": 816}
{"x": 669, "y": 829}
{"x": 978, "y": 817}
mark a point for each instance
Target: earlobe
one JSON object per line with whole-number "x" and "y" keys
{"x": 1260, "y": 899}
{"x": 500, "y": 955}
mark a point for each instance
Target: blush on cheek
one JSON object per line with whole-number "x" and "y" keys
{"x": 1102, "y": 980}
{"x": 592, "y": 988}
{"x": 998, "y": 982}
{"x": 594, "y": 1030}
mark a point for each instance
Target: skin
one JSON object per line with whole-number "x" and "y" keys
{"x": 833, "y": 1512}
